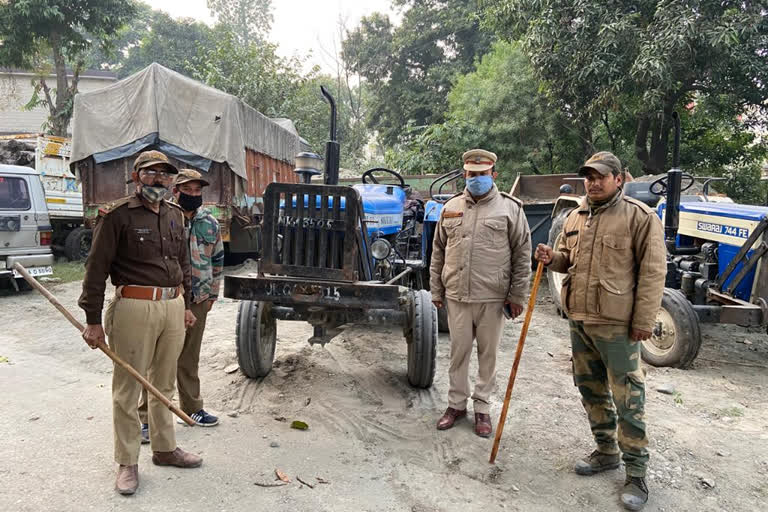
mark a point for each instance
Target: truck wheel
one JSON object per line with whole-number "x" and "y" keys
{"x": 442, "y": 319}
{"x": 555, "y": 279}
{"x": 78, "y": 244}
{"x": 256, "y": 337}
{"x": 422, "y": 340}
{"x": 676, "y": 337}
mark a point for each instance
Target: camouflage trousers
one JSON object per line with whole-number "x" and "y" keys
{"x": 606, "y": 369}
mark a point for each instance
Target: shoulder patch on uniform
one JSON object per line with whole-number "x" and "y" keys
{"x": 108, "y": 208}
{"x": 510, "y": 196}
{"x": 169, "y": 203}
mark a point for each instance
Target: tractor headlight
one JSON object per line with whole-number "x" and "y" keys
{"x": 380, "y": 249}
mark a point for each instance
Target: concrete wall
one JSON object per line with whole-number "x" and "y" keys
{"x": 16, "y": 90}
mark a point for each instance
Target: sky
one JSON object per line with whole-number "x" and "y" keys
{"x": 300, "y": 26}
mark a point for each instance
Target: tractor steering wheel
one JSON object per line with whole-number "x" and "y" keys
{"x": 659, "y": 186}
{"x": 369, "y": 175}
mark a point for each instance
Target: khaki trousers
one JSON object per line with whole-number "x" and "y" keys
{"x": 187, "y": 380}
{"x": 484, "y": 322}
{"x": 148, "y": 335}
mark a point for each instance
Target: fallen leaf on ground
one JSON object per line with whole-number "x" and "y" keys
{"x": 3, "y": 359}
{"x": 299, "y": 425}
{"x": 282, "y": 476}
{"x": 280, "y": 418}
{"x": 89, "y": 418}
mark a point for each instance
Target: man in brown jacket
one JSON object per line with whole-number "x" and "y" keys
{"x": 612, "y": 248}
{"x": 139, "y": 241}
{"x": 481, "y": 264}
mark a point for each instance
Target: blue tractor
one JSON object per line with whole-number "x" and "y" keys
{"x": 335, "y": 256}
{"x": 716, "y": 272}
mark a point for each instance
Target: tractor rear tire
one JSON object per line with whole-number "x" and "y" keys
{"x": 422, "y": 340}
{"x": 77, "y": 245}
{"x": 256, "y": 337}
{"x": 676, "y": 337}
{"x": 555, "y": 279}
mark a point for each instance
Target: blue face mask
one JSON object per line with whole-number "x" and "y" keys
{"x": 479, "y": 185}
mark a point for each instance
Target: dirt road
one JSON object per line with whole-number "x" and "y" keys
{"x": 370, "y": 435}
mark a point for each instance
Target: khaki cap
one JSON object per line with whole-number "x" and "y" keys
{"x": 187, "y": 175}
{"x": 603, "y": 162}
{"x": 478, "y": 160}
{"x": 150, "y": 158}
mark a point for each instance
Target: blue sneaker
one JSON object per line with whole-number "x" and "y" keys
{"x": 144, "y": 433}
{"x": 202, "y": 419}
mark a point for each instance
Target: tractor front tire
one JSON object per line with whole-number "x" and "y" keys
{"x": 676, "y": 337}
{"x": 255, "y": 338}
{"x": 555, "y": 279}
{"x": 422, "y": 340}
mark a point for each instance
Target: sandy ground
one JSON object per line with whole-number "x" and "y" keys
{"x": 370, "y": 435}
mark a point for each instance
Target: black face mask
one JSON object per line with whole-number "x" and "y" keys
{"x": 190, "y": 203}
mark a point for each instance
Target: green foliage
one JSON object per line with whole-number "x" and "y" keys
{"x": 646, "y": 58}
{"x": 173, "y": 43}
{"x": 45, "y": 35}
{"x": 410, "y": 67}
{"x": 253, "y": 72}
{"x": 497, "y": 107}
{"x": 248, "y": 20}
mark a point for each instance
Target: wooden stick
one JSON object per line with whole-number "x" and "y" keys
{"x": 103, "y": 347}
{"x": 518, "y": 355}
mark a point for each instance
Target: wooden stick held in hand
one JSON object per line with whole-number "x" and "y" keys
{"x": 103, "y": 347}
{"x": 518, "y": 355}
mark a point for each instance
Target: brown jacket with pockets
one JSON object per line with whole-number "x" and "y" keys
{"x": 615, "y": 260}
{"x": 482, "y": 250}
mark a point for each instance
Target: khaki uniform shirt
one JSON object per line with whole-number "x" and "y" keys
{"x": 482, "y": 250}
{"x": 615, "y": 261}
{"x": 135, "y": 246}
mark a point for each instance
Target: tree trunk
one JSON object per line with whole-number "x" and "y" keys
{"x": 654, "y": 158}
{"x": 60, "y": 111}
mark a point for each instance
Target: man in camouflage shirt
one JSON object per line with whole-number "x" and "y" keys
{"x": 206, "y": 254}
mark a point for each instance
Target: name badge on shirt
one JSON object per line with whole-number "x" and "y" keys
{"x": 452, "y": 215}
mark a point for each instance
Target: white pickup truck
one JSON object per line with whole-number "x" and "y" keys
{"x": 63, "y": 192}
{"x": 25, "y": 228}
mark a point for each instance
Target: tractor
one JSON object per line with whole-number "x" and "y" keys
{"x": 716, "y": 272}
{"x": 339, "y": 255}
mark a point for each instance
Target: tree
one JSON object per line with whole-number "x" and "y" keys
{"x": 173, "y": 42}
{"x": 56, "y": 34}
{"x": 249, "y": 20}
{"x": 647, "y": 58}
{"x": 496, "y": 107}
{"x": 410, "y": 68}
{"x": 254, "y": 72}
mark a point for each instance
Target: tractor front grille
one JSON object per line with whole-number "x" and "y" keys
{"x": 311, "y": 231}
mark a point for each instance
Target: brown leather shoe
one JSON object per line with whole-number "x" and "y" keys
{"x": 483, "y": 426}
{"x": 449, "y": 418}
{"x": 178, "y": 458}
{"x": 127, "y": 479}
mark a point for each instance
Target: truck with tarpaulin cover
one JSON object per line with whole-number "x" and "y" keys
{"x": 238, "y": 150}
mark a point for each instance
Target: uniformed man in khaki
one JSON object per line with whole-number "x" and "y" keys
{"x": 139, "y": 242}
{"x": 612, "y": 249}
{"x": 481, "y": 264}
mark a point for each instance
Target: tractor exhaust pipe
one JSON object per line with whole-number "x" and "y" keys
{"x": 674, "y": 186}
{"x": 332, "y": 150}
